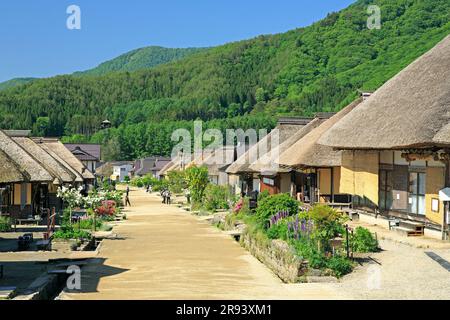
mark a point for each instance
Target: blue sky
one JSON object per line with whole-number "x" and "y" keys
{"x": 36, "y": 43}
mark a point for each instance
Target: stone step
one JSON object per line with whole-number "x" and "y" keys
{"x": 321, "y": 279}
{"x": 234, "y": 233}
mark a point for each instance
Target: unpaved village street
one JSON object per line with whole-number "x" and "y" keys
{"x": 163, "y": 252}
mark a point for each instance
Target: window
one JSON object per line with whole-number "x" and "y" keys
{"x": 416, "y": 199}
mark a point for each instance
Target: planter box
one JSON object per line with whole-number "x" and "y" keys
{"x": 65, "y": 245}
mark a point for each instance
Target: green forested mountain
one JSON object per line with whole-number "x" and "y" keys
{"x": 317, "y": 68}
{"x": 14, "y": 82}
{"x": 142, "y": 58}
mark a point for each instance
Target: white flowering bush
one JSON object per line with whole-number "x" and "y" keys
{"x": 71, "y": 196}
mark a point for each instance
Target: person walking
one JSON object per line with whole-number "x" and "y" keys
{"x": 127, "y": 200}
{"x": 127, "y": 197}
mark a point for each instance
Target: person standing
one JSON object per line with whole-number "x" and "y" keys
{"x": 168, "y": 197}
{"x": 163, "y": 195}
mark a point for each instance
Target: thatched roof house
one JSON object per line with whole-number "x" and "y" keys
{"x": 307, "y": 152}
{"x": 105, "y": 170}
{"x": 214, "y": 159}
{"x": 273, "y": 157}
{"x": 412, "y": 110}
{"x": 10, "y": 171}
{"x": 285, "y": 129}
{"x": 24, "y": 161}
{"x": 57, "y": 148}
{"x": 58, "y": 170}
{"x": 164, "y": 169}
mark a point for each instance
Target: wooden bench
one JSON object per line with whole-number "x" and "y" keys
{"x": 28, "y": 221}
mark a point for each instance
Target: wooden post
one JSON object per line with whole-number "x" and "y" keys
{"x": 347, "y": 242}
{"x": 446, "y": 204}
{"x": 332, "y": 184}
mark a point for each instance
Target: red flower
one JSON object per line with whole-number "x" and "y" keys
{"x": 108, "y": 207}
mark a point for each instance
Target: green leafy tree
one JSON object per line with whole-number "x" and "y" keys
{"x": 176, "y": 181}
{"x": 40, "y": 127}
{"x": 197, "y": 179}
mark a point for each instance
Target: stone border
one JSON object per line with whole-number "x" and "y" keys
{"x": 277, "y": 256}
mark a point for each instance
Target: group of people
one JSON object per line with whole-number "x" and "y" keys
{"x": 165, "y": 194}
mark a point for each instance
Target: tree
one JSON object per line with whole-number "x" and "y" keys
{"x": 111, "y": 151}
{"x": 197, "y": 179}
{"x": 41, "y": 126}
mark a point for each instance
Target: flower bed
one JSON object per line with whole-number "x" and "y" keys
{"x": 293, "y": 245}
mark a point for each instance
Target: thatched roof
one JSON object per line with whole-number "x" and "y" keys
{"x": 306, "y": 152}
{"x": 58, "y": 170}
{"x": 164, "y": 169}
{"x": 411, "y": 110}
{"x": 281, "y": 133}
{"x": 58, "y": 157}
{"x": 105, "y": 170}
{"x": 10, "y": 171}
{"x": 214, "y": 159}
{"x": 59, "y": 149}
{"x": 264, "y": 164}
{"x": 24, "y": 161}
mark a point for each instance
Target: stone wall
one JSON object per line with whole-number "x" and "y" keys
{"x": 276, "y": 255}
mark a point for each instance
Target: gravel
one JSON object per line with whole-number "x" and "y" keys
{"x": 399, "y": 272}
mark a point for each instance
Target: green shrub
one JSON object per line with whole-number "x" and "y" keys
{"x": 328, "y": 223}
{"x": 159, "y": 185}
{"x": 5, "y": 224}
{"x": 217, "y": 197}
{"x": 264, "y": 194}
{"x": 340, "y": 265}
{"x": 307, "y": 250}
{"x": 363, "y": 241}
{"x": 139, "y": 184}
{"x": 278, "y": 231}
{"x": 197, "y": 181}
{"x": 273, "y": 204}
{"x": 88, "y": 224}
{"x": 68, "y": 232}
{"x": 176, "y": 181}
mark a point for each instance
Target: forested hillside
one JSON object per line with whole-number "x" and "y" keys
{"x": 317, "y": 68}
{"x": 142, "y": 58}
{"x": 14, "y": 82}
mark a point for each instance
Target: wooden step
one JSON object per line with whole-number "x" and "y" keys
{"x": 407, "y": 232}
{"x": 412, "y": 225}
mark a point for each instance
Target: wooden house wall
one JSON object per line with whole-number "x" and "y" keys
{"x": 435, "y": 181}
{"x": 359, "y": 177}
